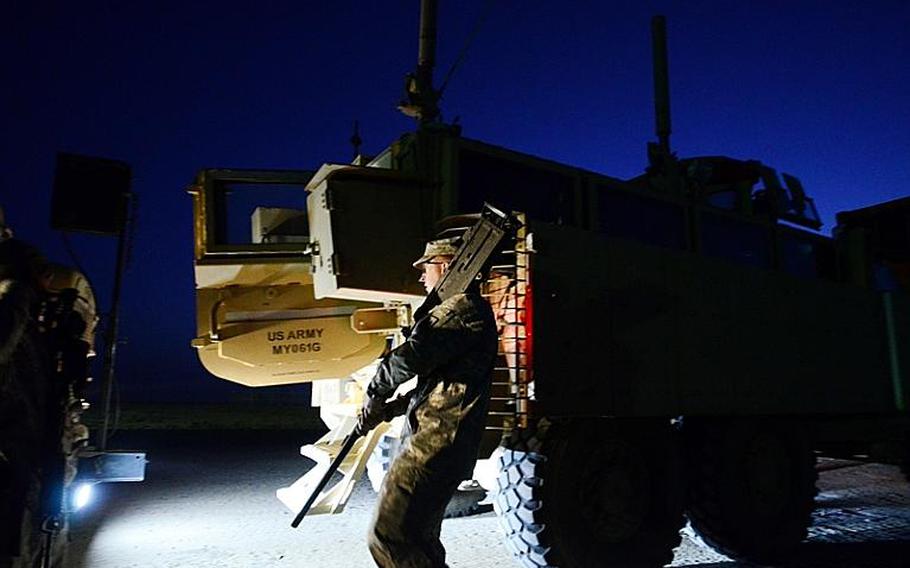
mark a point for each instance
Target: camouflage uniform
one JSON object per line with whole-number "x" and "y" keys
{"x": 23, "y": 394}
{"x": 451, "y": 351}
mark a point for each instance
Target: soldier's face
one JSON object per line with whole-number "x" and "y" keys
{"x": 433, "y": 271}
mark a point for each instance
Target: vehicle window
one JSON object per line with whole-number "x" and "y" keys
{"x": 260, "y": 213}
{"x": 734, "y": 240}
{"x": 891, "y": 235}
{"x": 723, "y": 199}
{"x": 545, "y": 195}
{"x": 639, "y": 218}
{"x": 806, "y": 257}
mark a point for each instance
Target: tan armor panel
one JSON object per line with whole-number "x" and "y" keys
{"x": 367, "y": 226}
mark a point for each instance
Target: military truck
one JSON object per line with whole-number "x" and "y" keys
{"x": 684, "y": 343}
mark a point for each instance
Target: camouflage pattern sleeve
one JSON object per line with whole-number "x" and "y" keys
{"x": 437, "y": 339}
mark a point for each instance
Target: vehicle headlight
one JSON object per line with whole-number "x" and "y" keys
{"x": 82, "y": 496}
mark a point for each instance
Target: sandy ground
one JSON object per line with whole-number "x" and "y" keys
{"x": 208, "y": 502}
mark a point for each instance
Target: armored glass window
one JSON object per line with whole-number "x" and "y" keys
{"x": 723, "y": 199}
{"x": 251, "y": 212}
{"x": 734, "y": 240}
{"x": 806, "y": 256}
{"x": 626, "y": 215}
{"x": 254, "y": 214}
{"x": 513, "y": 185}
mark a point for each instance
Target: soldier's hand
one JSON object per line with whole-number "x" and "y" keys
{"x": 371, "y": 415}
{"x": 397, "y": 407}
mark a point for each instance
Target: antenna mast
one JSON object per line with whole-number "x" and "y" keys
{"x": 421, "y": 99}
{"x": 426, "y": 50}
{"x": 661, "y": 82}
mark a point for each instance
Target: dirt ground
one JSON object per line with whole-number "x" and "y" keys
{"x": 209, "y": 502}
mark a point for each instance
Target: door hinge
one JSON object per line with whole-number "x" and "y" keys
{"x": 333, "y": 265}
{"x": 328, "y": 202}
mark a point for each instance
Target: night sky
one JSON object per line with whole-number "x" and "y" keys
{"x": 817, "y": 89}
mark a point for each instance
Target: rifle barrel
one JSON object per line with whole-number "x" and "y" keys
{"x": 345, "y": 450}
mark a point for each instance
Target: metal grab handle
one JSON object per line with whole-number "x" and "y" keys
{"x": 214, "y": 333}
{"x": 333, "y": 467}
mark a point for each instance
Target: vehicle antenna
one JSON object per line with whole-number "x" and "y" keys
{"x": 661, "y": 82}
{"x": 421, "y": 99}
{"x": 356, "y": 141}
{"x": 464, "y": 49}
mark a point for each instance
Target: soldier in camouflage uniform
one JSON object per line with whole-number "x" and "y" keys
{"x": 452, "y": 352}
{"x": 23, "y": 393}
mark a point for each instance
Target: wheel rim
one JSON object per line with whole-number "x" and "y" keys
{"x": 752, "y": 487}
{"x": 768, "y": 478}
{"x": 612, "y": 493}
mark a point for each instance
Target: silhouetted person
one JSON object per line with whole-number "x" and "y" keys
{"x": 24, "y": 384}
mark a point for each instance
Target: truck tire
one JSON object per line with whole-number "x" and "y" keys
{"x": 383, "y": 455}
{"x": 905, "y": 462}
{"x": 594, "y": 493}
{"x": 751, "y": 487}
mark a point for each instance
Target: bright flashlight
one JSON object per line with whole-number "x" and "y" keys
{"x": 82, "y": 495}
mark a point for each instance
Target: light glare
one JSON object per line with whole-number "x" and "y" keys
{"x": 82, "y": 496}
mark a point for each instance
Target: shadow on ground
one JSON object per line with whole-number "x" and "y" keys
{"x": 871, "y": 554}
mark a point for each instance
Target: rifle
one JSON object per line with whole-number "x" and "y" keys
{"x": 479, "y": 244}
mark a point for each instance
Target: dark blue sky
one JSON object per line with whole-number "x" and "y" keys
{"x": 818, "y": 89}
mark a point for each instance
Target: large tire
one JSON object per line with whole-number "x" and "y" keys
{"x": 905, "y": 457}
{"x": 381, "y": 460}
{"x": 591, "y": 494}
{"x": 751, "y": 487}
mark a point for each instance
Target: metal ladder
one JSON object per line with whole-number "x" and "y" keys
{"x": 507, "y": 290}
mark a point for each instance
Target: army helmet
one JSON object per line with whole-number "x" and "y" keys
{"x": 446, "y": 246}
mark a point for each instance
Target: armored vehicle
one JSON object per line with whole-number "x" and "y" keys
{"x": 682, "y": 343}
